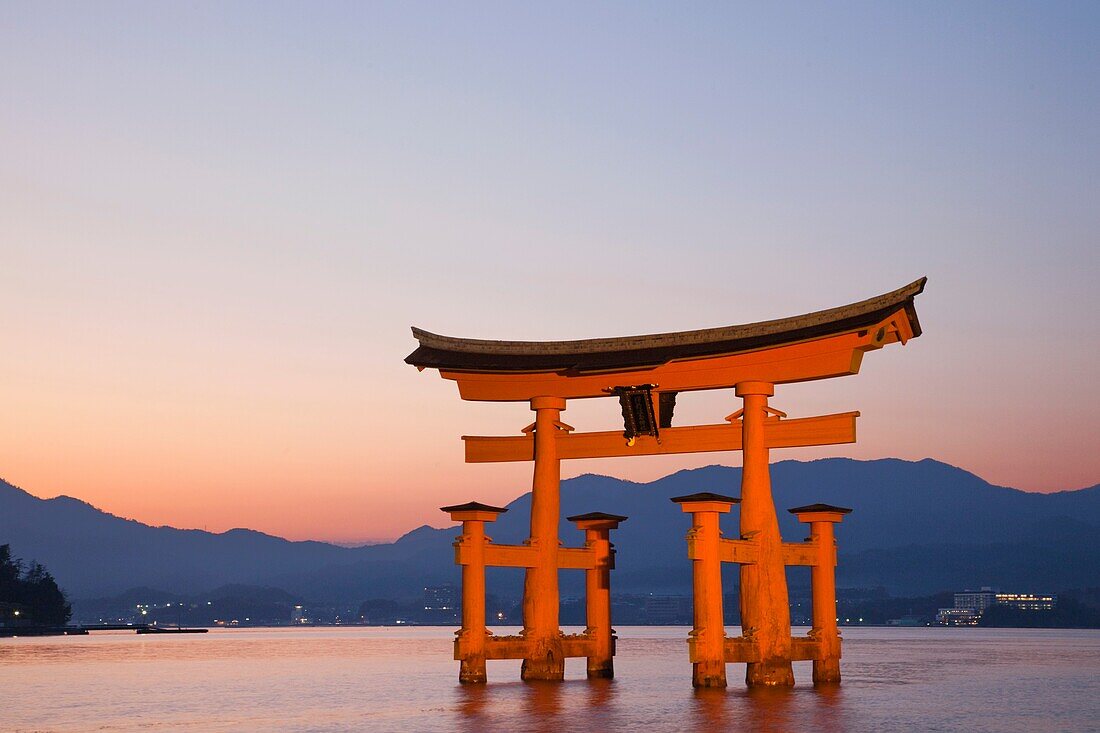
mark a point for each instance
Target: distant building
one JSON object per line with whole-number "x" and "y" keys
{"x": 970, "y": 605}
{"x": 980, "y": 600}
{"x": 975, "y": 600}
{"x": 958, "y": 617}
{"x": 1028, "y": 601}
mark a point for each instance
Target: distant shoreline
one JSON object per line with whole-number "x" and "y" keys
{"x": 87, "y": 629}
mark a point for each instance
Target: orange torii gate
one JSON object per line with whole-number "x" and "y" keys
{"x": 646, "y": 373}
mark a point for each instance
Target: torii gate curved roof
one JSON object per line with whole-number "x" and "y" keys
{"x": 483, "y": 356}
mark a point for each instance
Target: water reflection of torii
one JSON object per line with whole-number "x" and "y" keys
{"x": 646, "y": 373}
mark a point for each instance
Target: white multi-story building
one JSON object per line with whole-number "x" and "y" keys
{"x": 971, "y": 604}
{"x": 976, "y": 600}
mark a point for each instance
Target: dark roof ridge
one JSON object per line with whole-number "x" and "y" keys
{"x": 596, "y": 515}
{"x": 704, "y": 496}
{"x": 820, "y": 508}
{"x": 472, "y": 506}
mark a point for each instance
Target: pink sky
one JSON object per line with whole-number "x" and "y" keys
{"x": 212, "y": 244}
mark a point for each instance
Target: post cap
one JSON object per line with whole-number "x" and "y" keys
{"x": 597, "y": 520}
{"x": 473, "y": 511}
{"x": 705, "y": 501}
{"x": 595, "y": 515}
{"x": 820, "y": 513}
{"x": 704, "y": 496}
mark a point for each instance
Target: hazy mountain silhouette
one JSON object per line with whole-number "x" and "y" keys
{"x": 918, "y": 527}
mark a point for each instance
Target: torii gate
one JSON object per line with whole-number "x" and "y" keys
{"x": 646, "y": 373}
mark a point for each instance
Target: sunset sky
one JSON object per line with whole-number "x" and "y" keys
{"x": 217, "y": 223}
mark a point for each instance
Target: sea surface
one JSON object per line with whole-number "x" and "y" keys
{"x": 403, "y": 679}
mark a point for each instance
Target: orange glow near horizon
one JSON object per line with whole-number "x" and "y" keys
{"x": 319, "y": 467}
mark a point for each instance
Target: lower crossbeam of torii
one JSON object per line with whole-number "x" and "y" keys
{"x": 646, "y": 373}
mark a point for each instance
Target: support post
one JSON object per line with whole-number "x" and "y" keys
{"x": 540, "y": 585}
{"x": 765, "y": 612}
{"x": 597, "y": 528}
{"x": 471, "y": 638}
{"x": 707, "y": 640}
{"x": 821, "y": 518}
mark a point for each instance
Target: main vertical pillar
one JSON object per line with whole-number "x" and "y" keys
{"x": 765, "y": 611}
{"x": 707, "y": 641}
{"x": 597, "y": 528}
{"x": 821, "y": 518}
{"x": 540, "y": 585}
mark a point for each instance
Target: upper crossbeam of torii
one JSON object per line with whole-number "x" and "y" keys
{"x": 828, "y": 343}
{"x": 646, "y": 373}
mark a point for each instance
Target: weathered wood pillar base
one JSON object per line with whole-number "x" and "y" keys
{"x": 472, "y": 671}
{"x": 708, "y": 674}
{"x": 826, "y": 672}
{"x": 603, "y": 669}
{"x": 827, "y": 669}
{"x": 548, "y": 662}
{"x": 773, "y": 673}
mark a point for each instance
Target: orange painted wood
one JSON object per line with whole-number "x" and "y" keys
{"x": 778, "y": 433}
{"x": 507, "y": 647}
{"x": 517, "y": 647}
{"x": 525, "y": 556}
{"x": 740, "y": 649}
{"x": 510, "y": 556}
{"x": 801, "y": 553}
{"x": 803, "y": 649}
{"x": 832, "y": 356}
{"x": 746, "y": 551}
{"x": 473, "y": 542}
{"x": 597, "y": 594}
{"x": 739, "y": 551}
{"x": 576, "y": 558}
{"x": 705, "y": 641}
{"x": 544, "y": 660}
{"x": 765, "y": 606}
{"x": 577, "y": 645}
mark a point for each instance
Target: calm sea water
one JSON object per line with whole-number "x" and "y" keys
{"x": 403, "y": 679}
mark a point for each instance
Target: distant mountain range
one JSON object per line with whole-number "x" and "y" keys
{"x": 918, "y": 527}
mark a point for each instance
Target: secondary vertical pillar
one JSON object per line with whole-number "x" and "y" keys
{"x": 821, "y": 518}
{"x": 765, "y": 610}
{"x": 597, "y": 528}
{"x": 540, "y": 585}
{"x": 707, "y": 641}
{"x": 470, "y": 554}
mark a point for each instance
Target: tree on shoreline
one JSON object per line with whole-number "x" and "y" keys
{"x": 30, "y": 596}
